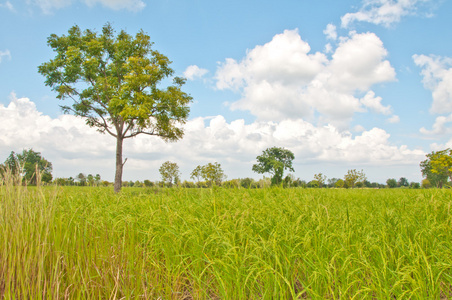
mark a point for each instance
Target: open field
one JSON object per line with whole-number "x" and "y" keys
{"x": 88, "y": 243}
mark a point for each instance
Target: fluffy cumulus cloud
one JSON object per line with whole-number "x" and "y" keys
{"x": 383, "y": 12}
{"x": 192, "y": 72}
{"x": 437, "y": 77}
{"x": 48, "y": 6}
{"x": 283, "y": 79}
{"x": 330, "y": 32}
{"x": 439, "y": 127}
{"x": 73, "y": 147}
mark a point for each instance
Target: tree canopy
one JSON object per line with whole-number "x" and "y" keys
{"x": 437, "y": 168}
{"x": 115, "y": 83}
{"x": 27, "y": 164}
{"x": 274, "y": 161}
{"x": 170, "y": 173}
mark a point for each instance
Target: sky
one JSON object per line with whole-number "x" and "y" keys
{"x": 352, "y": 84}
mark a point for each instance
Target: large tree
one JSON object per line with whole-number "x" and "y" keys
{"x": 437, "y": 168}
{"x": 115, "y": 82}
{"x": 274, "y": 161}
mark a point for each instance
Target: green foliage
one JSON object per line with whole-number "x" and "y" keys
{"x": 352, "y": 177}
{"x": 320, "y": 178}
{"x": 148, "y": 183}
{"x": 170, "y": 173}
{"x": 437, "y": 168}
{"x": 115, "y": 83}
{"x": 391, "y": 182}
{"x": 27, "y": 164}
{"x": 211, "y": 173}
{"x": 274, "y": 161}
{"x": 426, "y": 184}
{"x": 224, "y": 243}
{"x": 339, "y": 183}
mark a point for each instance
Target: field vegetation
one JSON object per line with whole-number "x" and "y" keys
{"x": 218, "y": 243}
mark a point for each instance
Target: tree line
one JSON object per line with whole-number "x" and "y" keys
{"x": 436, "y": 170}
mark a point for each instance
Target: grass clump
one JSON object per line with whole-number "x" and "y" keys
{"x": 72, "y": 242}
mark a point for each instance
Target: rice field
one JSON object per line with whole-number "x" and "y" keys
{"x": 89, "y": 243}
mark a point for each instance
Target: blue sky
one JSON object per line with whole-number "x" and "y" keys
{"x": 343, "y": 84}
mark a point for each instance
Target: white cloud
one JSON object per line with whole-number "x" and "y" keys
{"x": 330, "y": 32}
{"x": 132, "y": 5}
{"x": 437, "y": 73}
{"x": 6, "y": 54}
{"x": 8, "y": 6}
{"x": 383, "y": 12}
{"x": 192, "y": 72}
{"x": 394, "y": 119}
{"x": 282, "y": 79}
{"x": 48, "y": 6}
{"x": 439, "y": 127}
{"x": 374, "y": 103}
{"x": 73, "y": 147}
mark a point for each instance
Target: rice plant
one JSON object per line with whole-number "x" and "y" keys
{"x": 90, "y": 243}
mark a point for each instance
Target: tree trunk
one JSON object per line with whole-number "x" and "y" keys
{"x": 119, "y": 163}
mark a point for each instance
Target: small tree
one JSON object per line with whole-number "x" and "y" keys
{"x": 403, "y": 182}
{"x": 353, "y": 176}
{"x": 391, "y": 182}
{"x": 28, "y": 163}
{"x": 320, "y": 179}
{"x": 196, "y": 173}
{"x": 90, "y": 179}
{"x": 97, "y": 179}
{"x": 81, "y": 178}
{"x": 274, "y": 161}
{"x": 115, "y": 84}
{"x": 213, "y": 173}
{"x": 169, "y": 172}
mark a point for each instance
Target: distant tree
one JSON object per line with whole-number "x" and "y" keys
{"x": 332, "y": 181}
{"x": 320, "y": 179}
{"x": 391, "y": 182}
{"x": 196, "y": 173}
{"x": 274, "y": 161}
{"x": 169, "y": 172}
{"x": 60, "y": 181}
{"x": 70, "y": 180}
{"x": 339, "y": 184}
{"x": 415, "y": 185}
{"x": 97, "y": 179}
{"x": 138, "y": 184}
{"x": 246, "y": 182}
{"x": 403, "y": 182}
{"x": 28, "y": 163}
{"x": 148, "y": 183}
{"x": 116, "y": 83}
{"x": 353, "y": 176}
{"x": 90, "y": 179}
{"x": 213, "y": 173}
{"x": 81, "y": 178}
{"x": 313, "y": 184}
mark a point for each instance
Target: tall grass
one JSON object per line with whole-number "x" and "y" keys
{"x": 88, "y": 243}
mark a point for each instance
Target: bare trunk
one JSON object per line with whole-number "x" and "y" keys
{"x": 119, "y": 164}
